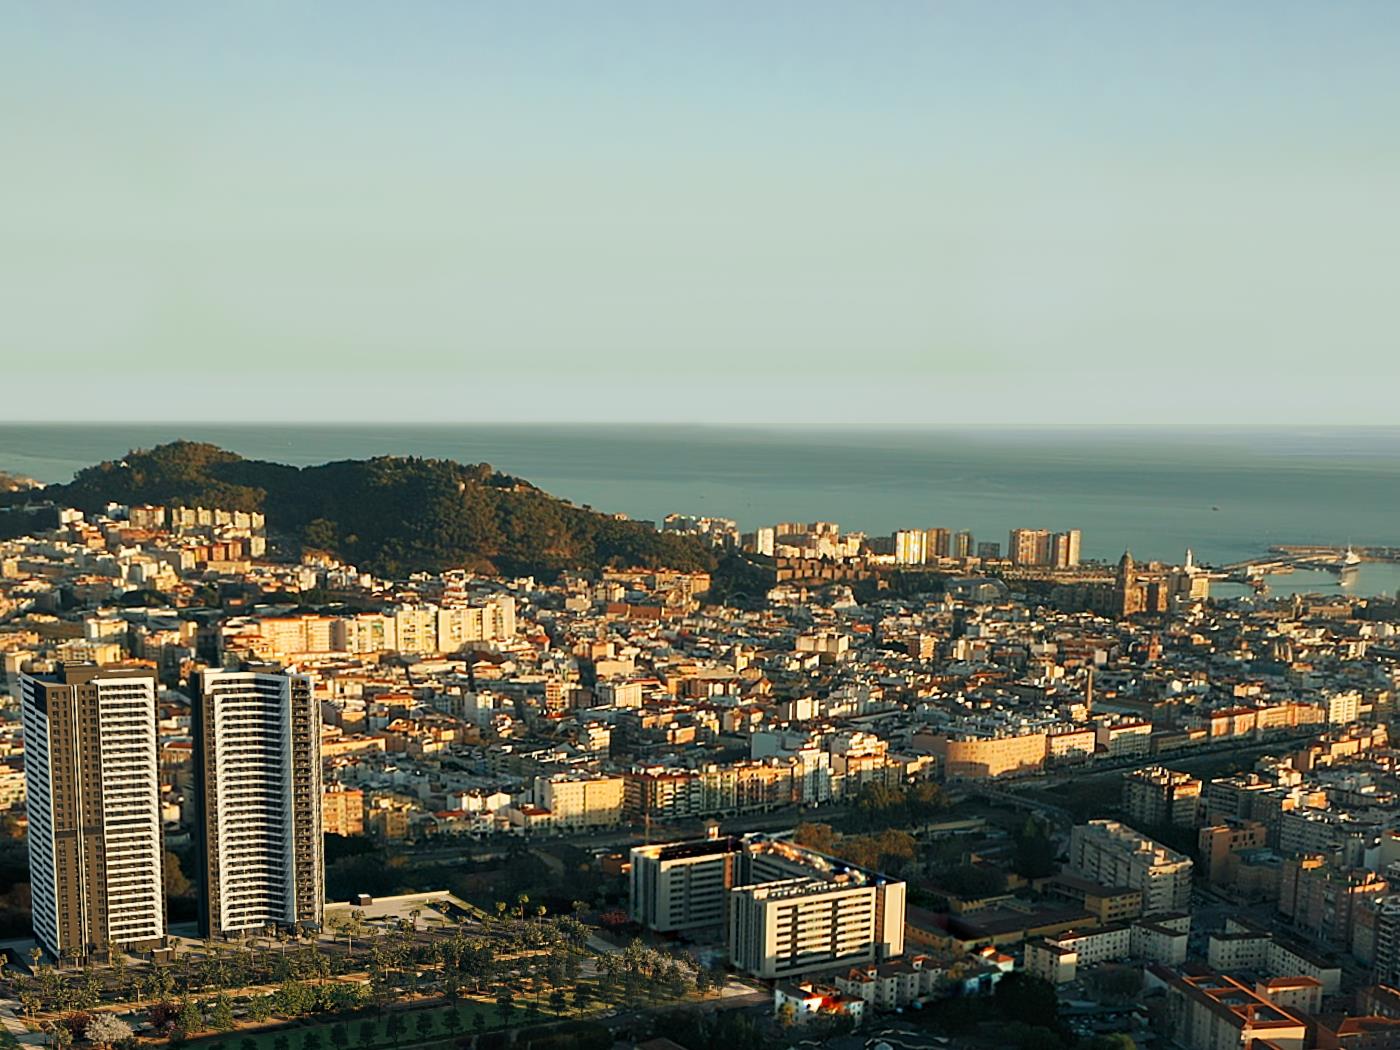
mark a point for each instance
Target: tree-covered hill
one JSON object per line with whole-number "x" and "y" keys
{"x": 391, "y": 515}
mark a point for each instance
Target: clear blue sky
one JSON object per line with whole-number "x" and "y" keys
{"x": 760, "y": 211}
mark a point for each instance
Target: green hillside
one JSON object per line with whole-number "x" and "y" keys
{"x": 391, "y": 515}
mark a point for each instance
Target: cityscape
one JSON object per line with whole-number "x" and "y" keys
{"x": 743, "y": 525}
{"x": 827, "y": 786}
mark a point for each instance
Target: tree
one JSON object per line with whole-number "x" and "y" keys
{"x": 340, "y": 1036}
{"x": 177, "y": 883}
{"x": 505, "y": 1004}
{"x": 1035, "y": 851}
{"x": 582, "y": 996}
{"x": 221, "y": 1014}
{"x": 281, "y": 1043}
{"x": 190, "y": 1020}
{"x": 247, "y": 1043}
{"x": 478, "y": 1023}
{"x": 820, "y": 837}
{"x": 311, "y": 1040}
{"x": 1030, "y": 1000}
{"x": 557, "y": 1001}
{"x": 368, "y": 1031}
{"x": 424, "y": 1025}
{"x": 108, "y": 1030}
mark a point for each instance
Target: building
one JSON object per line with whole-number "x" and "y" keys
{"x": 682, "y": 886}
{"x": 1214, "y": 1012}
{"x": 1058, "y": 959}
{"x": 258, "y": 736}
{"x": 581, "y": 800}
{"x": 1064, "y": 549}
{"x": 1156, "y": 796}
{"x": 1387, "y": 939}
{"x": 910, "y": 546}
{"x": 1324, "y": 900}
{"x": 1244, "y": 946}
{"x": 971, "y": 757}
{"x": 801, "y": 1001}
{"x": 937, "y": 543}
{"x": 797, "y": 925}
{"x": 961, "y": 545}
{"x": 1116, "y": 855}
{"x": 1223, "y": 848}
{"x": 92, "y": 776}
{"x": 343, "y": 811}
{"x": 786, "y": 910}
{"x": 1029, "y": 547}
{"x": 894, "y": 984}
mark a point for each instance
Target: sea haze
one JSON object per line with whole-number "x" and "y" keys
{"x": 1226, "y": 492}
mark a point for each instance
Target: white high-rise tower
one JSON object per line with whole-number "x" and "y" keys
{"x": 258, "y": 734}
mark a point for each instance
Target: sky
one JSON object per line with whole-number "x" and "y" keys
{"x": 775, "y": 212}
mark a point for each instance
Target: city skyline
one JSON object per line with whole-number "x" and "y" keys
{"x": 1038, "y": 213}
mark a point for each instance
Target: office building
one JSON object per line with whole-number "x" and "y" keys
{"x": 682, "y": 886}
{"x": 794, "y": 926}
{"x": 258, "y": 739}
{"x": 92, "y": 776}
{"x": 1116, "y": 855}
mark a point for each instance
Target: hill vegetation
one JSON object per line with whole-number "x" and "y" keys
{"x": 391, "y": 515}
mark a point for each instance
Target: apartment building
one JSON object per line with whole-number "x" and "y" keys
{"x": 581, "y": 800}
{"x": 343, "y": 811}
{"x": 1214, "y": 1012}
{"x": 92, "y": 777}
{"x": 1057, "y": 959}
{"x": 1116, "y": 855}
{"x": 971, "y": 757}
{"x": 258, "y": 735}
{"x": 1243, "y": 946}
{"x": 1156, "y": 796}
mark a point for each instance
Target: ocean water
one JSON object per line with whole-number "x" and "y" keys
{"x": 1226, "y": 492}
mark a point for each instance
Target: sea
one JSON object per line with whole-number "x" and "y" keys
{"x": 1227, "y": 493}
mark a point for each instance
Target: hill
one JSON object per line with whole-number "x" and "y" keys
{"x": 391, "y": 515}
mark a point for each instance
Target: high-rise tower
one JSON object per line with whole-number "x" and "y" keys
{"x": 258, "y": 740}
{"x": 91, "y": 770}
